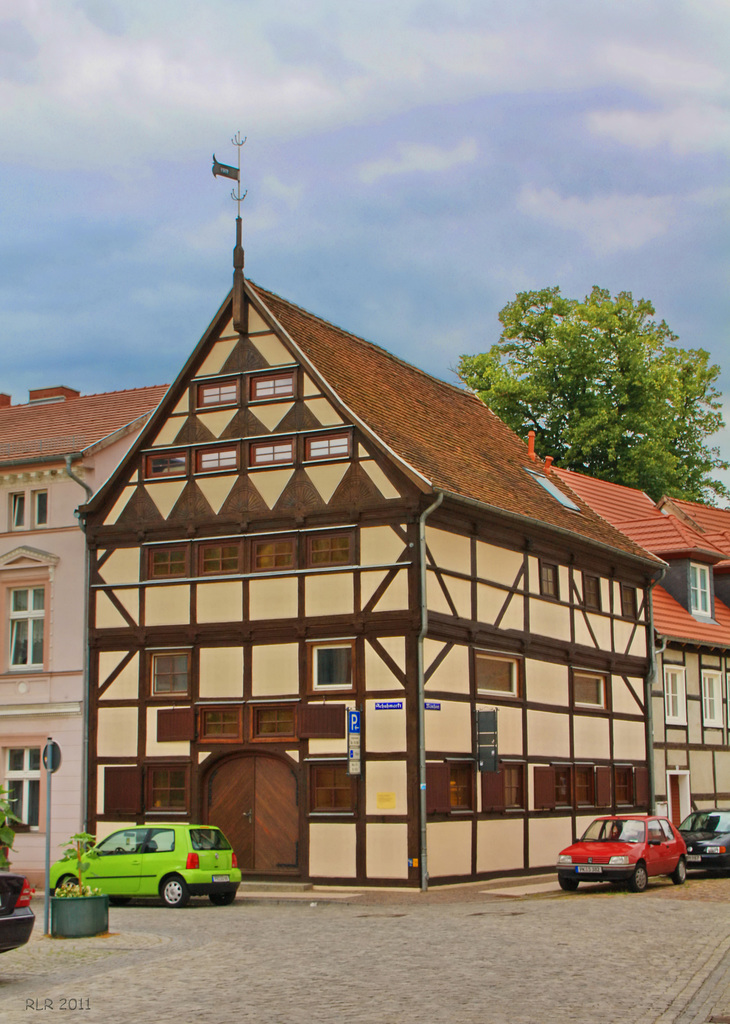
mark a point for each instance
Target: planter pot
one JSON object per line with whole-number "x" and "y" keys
{"x": 80, "y": 916}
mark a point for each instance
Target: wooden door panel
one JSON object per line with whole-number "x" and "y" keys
{"x": 230, "y": 798}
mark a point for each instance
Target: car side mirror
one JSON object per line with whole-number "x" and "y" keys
{"x": 655, "y": 842}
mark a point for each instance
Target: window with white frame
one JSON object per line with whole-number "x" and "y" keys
{"x": 27, "y": 619}
{"x": 675, "y": 704}
{"x": 331, "y": 666}
{"x": 17, "y": 511}
{"x": 40, "y": 508}
{"x": 23, "y": 782}
{"x": 712, "y": 699}
{"x": 699, "y": 588}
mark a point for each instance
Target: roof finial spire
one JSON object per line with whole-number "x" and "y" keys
{"x": 226, "y": 171}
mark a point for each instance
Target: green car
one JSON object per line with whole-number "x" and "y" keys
{"x": 172, "y": 861}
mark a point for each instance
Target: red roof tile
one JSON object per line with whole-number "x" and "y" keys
{"x": 714, "y": 523}
{"x": 60, "y": 428}
{"x": 672, "y": 620}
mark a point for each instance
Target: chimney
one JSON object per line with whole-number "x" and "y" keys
{"x": 57, "y": 394}
{"x": 531, "y": 444}
{"x": 548, "y": 463}
{"x": 5, "y": 401}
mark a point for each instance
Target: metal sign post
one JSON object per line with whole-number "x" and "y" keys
{"x": 51, "y": 762}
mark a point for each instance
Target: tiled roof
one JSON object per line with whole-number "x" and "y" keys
{"x": 59, "y": 428}
{"x": 713, "y": 522}
{"x": 446, "y": 434}
{"x": 672, "y": 620}
{"x": 635, "y": 514}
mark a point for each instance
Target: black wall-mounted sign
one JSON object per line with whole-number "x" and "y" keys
{"x": 487, "y": 741}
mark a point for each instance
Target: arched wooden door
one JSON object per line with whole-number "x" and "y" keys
{"x": 255, "y": 801}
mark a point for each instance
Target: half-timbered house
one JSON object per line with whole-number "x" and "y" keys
{"x": 309, "y": 525}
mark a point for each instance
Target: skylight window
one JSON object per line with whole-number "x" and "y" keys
{"x": 554, "y": 491}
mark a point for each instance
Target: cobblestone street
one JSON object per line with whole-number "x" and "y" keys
{"x": 453, "y": 956}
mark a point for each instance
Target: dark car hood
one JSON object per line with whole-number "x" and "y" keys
{"x": 722, "y": 838}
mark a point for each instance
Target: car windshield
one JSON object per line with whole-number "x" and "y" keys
{"x": 707, "y": 821}
{"x": 615, "y": 830}
{"x": 208, "y": 839}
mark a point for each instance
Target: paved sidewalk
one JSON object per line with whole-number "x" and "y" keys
{"x": 454, "y": 955}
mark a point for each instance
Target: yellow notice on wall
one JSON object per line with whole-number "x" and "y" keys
{"x": 385, "y": 801}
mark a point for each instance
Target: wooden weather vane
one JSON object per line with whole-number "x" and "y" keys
{"x": 228, "y": 171}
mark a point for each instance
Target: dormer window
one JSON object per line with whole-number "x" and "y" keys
{"x": 699, "y": 589}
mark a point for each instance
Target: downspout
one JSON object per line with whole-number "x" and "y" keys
{"x": 85, "y": 657}
{"x": 421, "y": 695}
{"x": 648, "y": 701}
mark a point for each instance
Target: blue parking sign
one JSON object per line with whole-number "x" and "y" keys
{"x": 354, "y": 721}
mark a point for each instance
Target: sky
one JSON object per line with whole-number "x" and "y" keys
{"x": 410, "y": 166}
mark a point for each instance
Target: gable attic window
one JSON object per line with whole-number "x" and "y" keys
{"x": 209, "y": 460}
{"x": 172, "y": 464}
{"x": 268, "y": 453}
{"x": 165, "y": 562}
{"x": 552, "y": 490}
{"x": 276, "y": 385}
{"x": 222, "y": 392}
{"x": 699, "y": 589}
{"x": 332, "y": 446}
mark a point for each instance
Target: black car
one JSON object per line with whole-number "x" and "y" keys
{"x": 707, "y": 835}
{"x": 16, "y": 917}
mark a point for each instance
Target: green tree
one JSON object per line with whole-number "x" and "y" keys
{"x": 606, "y": 391}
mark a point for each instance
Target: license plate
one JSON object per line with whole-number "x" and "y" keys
{"x": 221, "y": 878}
{"x": 588, "y": 869}
{"x": 693, "y": 857}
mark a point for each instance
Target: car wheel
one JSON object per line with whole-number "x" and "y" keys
{"x": 640, "y": 879}
{"x": 174, "y": 891}
{"x": 679, "y": 875}
{"x": 568, "y": 884}
{"x": 222, "y": 899}
{"x": 120, "y": 901}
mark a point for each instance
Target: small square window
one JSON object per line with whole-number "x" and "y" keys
{"x": 221, "y": 724}
{"x": 271, "y": 453}
{"x": 496, "y": 675}
{"x": 549, "y": 580}
{"x": 170, "y": 674}
{"x": 589, "y": 689}
{"x": 211, "y": 460}
{"x": 222, "y": 392}
{"x": 331, "y": 788}
{"x": 275, "y": 385}
{"x": 273, "y": 555}
{"x": 165, "y": 562}
{"x": 273, "y": 723}
{"x": 329, "y": 549}
{"x": 628, "y": 601}
{"x": 328, "y": 446}
{"x": 219, "y": 558}
{"x": 592, "y": 592}
{"x": 332, "y": 667}
{"x": 174, "y": 464}
{"x": 168, "y": 789}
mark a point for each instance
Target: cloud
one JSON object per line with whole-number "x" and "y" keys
{"x": 420, "y": 159}
{"x": 686, "y": 128}
{"x": 610, "y": 223}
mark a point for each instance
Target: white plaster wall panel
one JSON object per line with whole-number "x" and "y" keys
{"x": 713, "y": 737}
{"x": 582, "y": 821}
{"x": 450, "y": 728}
{"x": 167, "y": 606}
{"x": 385, "y": 728}
{"x": 169, "y": 431}
{"x": 676, "y": 755}
{"x": 116, "y": 733}
{"x": 386, "y": 788}
{"x": 380, "y": 479}
{"x": 386, "y": 850}
{"x": 700, "y": 766}
{"x": 548, "y": 836}
{"x": 601, "y": 631}
{"x": 533, "y": 575}
{"x": 546, "y": 682}
{"x": 216, "y": 422}
{"x": 660, "y": 768}
{"x": 107, "y": 616}
{"x": 452, "y": 674}
{"x": 694, "y": 721}
{"x": 165, "y": 494}
{"x": 122, "y": 566}
{"x": 659, "y": 728}
{"x": 549, "y": 619}
{"x": 460, "y": 593}
{"x": 323, "y": 410}
{"x": 396, "y": 648}
{"x": 107, "y": 662}
{"x": 275, "y": 670}
{"x": 274, "y": 598}
{"x": 591, "y": 737}
{"x": 219, "y": 602}
{"x": 271, "y": 483}
{"x": 326, "y": 479}
{"x": 692, "y": 675}
{"x": 722, "y": 770}
{"x": 217, "y": 357}
{"x": 380, "y": 545}
{"x": 120, "y": 504}
{"x": 183, "y": 404}
{"x": 308, "y": 386}
{"x": 255, "y": 321}
{"x": 369, "y": 583}
{"x": 490, "y": 601}
{"x": 271, "y": 414}
{"x": 564, "y": 582}
{"x": 221, "y": 672}
{"x": 449, "y": 550}
{"x": 331, "y": 594}
{"x": 170, "y": 748}
{"x": 638, "y": 647}
{"x": 129, "y": 599}
{"x": 548, "y": 734}
{"x": 500, "y": 845}
{"x": 273, "y": 351}
{"x": 332, "y": 850}
{"x": 498, "y": 564}
{"x": 394, "y": 598}
{"x": 378, "y": 675}
{"x": 215, "y": 489}
{"x": 510, "y": 738}
{"x": 629, "y": 741}
{"x": 622, "y": 697}
{"x": 126, "y": 685}
{"x": 435, "y": 597}
{"x": 449, "y": 848}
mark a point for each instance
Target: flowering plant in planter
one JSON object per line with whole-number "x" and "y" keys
{"x": 74, "y": 848}
{"x": 71, "y": 889}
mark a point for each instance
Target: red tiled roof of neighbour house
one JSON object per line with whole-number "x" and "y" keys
{"x": 51, "y": 429}
{"x": 635, "y": 514}
{"x": 713, "y": 522}
{"x": 446, "y": 434}
{"x": 672, "y": 620}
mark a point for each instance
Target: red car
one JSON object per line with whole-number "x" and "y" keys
{"x": 624, "y": 848}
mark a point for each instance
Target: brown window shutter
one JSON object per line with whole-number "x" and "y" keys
{"x": 122, "y": 790}
{"x": 322, "y": 721}
{"x": 544, "y": 787}
{"x": 493, "y": 790}
{"x": 641, "y": 787}
{"x": 175, "y": 724}
{"x": 438, "y": 789}
{"x": 603, "y": 786}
